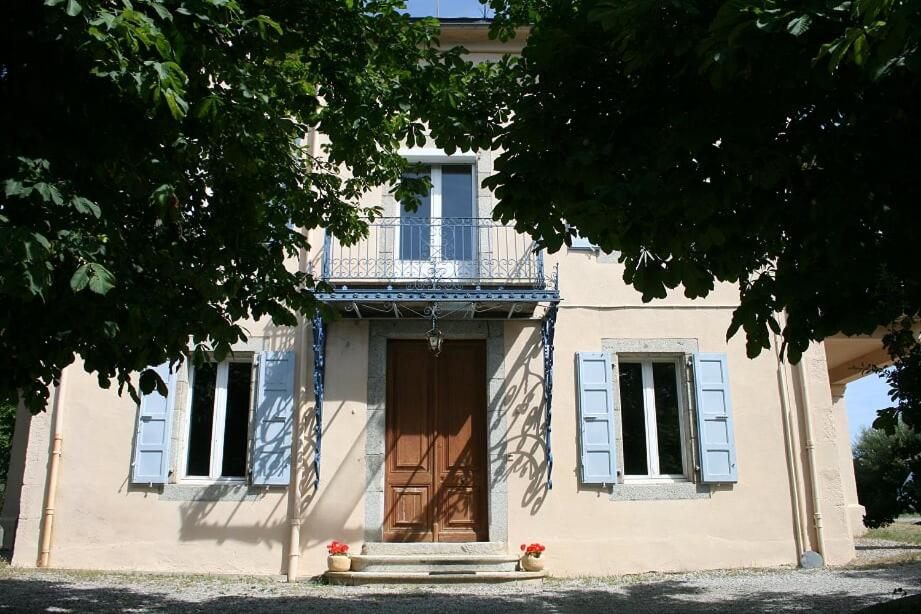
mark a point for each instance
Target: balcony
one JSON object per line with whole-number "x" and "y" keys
{"x": 475, "y": 261}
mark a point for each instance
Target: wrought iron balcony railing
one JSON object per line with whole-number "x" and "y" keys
{"x": 436, "y": 252}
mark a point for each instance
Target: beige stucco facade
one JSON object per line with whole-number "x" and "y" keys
{"x": 103, "y": 521}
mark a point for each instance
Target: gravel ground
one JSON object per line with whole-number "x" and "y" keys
{"x": 869, "y": 550}
{"x": 884, "y": 571}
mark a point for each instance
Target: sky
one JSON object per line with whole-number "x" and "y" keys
{"x": 445, "y": 8}
{"x": 863, "y": 398}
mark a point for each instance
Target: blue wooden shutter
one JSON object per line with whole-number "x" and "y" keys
{"x": 154, "y": 433}
{"x": 596, "y": 417}
{"x": 274, "y": 419}
{"x": 714, "y": 419}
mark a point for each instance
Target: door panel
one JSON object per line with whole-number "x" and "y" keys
{"x": 461, "y": 442}
{"x": 436, "y": 480}
{"x": 410, "y": 445}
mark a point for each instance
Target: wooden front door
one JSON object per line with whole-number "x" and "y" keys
{"x": 435, "y": 484}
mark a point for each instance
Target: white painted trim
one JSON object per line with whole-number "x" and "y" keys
{"x": 452, "y": 268}
{"x": 433, "y": 155}
{"x": 218, "y": 425}
{"x": 218, "y": 421}
{"x": 658, "y": 479}
{"x": 649, "y": 411}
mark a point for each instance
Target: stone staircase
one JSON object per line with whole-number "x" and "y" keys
{"x": 434, "y": 563}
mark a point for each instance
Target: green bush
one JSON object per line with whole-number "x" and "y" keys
{"x": 885, "y": 467}
{"x": 7, "y": 420}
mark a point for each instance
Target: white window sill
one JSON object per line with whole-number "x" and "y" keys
{"x": 658, "y": 479}
{"x": 203, "y": 481}
{"x": 659, "y": 491}
{"x": 214, "y": 491}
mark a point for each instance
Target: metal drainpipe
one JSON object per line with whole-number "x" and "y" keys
{"x": 297, "y": 470}
{"x": 51, "y": 484}
{"x": 789, "y": 446}
{"x": 810, "y": 455}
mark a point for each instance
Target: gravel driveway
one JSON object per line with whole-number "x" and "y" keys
{"x": 871, "y": 580}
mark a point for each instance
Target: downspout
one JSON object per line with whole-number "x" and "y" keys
{"x": 51, "y": 484}
{"x": 790, "y": 449}
{"x": 810, "y": 455}
{"x": 297, "y": 469}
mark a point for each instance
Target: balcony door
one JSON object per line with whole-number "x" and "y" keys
{"x": 439, "y": 238}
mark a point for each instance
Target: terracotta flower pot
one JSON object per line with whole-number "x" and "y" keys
{"x": 532, "y": 563}
{"x": 338, "y": 563}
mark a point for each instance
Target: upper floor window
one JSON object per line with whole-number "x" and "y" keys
{"x": 218, "y": 422}
{"x": 651, "y": 420}
{"x": 443, "y": 225}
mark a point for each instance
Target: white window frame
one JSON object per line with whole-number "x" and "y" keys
{"x": 436, "y": 159}
{"x": 218, "y": 424}
{"x": 649, "y": 411}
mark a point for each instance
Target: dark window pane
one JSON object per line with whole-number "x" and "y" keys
{"x": 201, "y": 419}
{"x": 416, "y": 228}
{"x": 633, "y": 418}
{"x": 667, "y": 419}
{"x": 457, "y": 212}
{"x": 236, "y": 421}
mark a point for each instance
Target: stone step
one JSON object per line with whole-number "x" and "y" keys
{"x": 359, "y": 578}
{"x": 440, "y": 563}
{"x": 439, "y": 548}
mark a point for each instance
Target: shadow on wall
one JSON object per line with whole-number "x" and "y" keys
{"x": 325, "y": 512}
{"x": 525, "y": 437}
{"x": 217, "y": 520}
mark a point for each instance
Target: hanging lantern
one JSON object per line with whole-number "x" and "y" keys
{"x": 435, "y": 337}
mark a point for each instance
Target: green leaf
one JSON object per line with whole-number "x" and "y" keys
{"x": 42, "y": 240}
{"x": 85, "y": 205}
{"x": 80, "y": 278}
{"x": 15, "y": 188}
{"x": 800, "y": 25}
{"x": 98, "y": 278}
{"x": 73, "y": 8}
{"x": 150, "y": 381}
{"x": 162, "y": 11}
{"x": 177, "y": 106}
{"x": 860, "y": 50}
{"x": 102, "y": 280}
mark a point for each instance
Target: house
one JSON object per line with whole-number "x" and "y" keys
{"x": 471, "y": 394}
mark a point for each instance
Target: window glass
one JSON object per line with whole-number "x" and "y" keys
{"x": 416, "y": 227}
{"x": 633, "y": 418}
{"x": 457, "y": 212}
{"x": 668, "y": 427}
{"x": 236, "y": 420}
{"x": 201, "y": 420}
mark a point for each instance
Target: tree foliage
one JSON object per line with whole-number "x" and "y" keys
{"x": 885, "y": 466}
{"x": 770, "y": 143}
{"x": 152, "y": 168}
{"x": 7, "y": 426}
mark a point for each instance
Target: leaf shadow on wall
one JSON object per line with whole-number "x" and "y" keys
{"x": 523, "y": 443}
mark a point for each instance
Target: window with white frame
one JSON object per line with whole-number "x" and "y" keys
{"x": 218, "y": 420}
{"x": 442, "y": 227}
{"x": 651, "y": 418}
